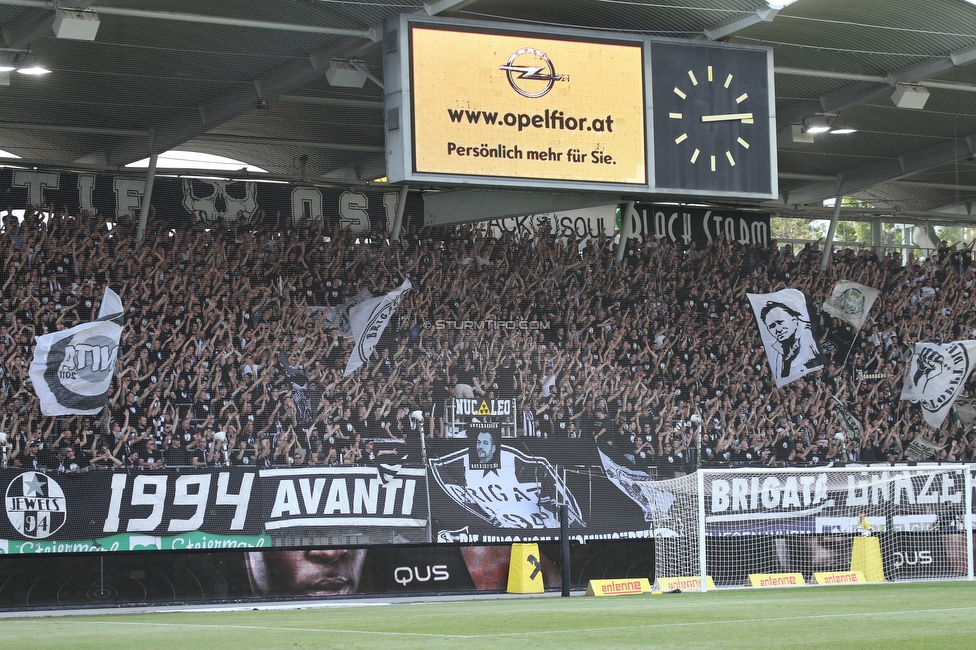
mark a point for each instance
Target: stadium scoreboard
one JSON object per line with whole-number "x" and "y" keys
{"x": 497, "y": 105}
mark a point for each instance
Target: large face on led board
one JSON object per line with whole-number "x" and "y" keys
{"x": 526, "y": 107}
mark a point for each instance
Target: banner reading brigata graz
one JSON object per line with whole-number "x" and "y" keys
{"x": 815, "y": 502}
{"x": 209, "y": 200}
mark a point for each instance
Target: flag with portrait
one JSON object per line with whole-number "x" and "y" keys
{"x": 787, "y": 335}
{"x": 936, "y": 375}
{"x": 851, "y": 302}
{"x": 72, "y": 369}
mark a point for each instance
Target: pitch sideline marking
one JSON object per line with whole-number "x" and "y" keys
{"x": 283, "y": 629}
{"x": 538, "y": 632}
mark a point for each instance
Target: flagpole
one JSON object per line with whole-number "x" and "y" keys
{"x": 423, "y": 457}
{"x": 853, "y": 343}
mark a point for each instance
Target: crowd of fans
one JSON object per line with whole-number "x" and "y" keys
{"x": 227, "y": 359}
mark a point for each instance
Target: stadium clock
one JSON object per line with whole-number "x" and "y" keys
{"x": 711, "y": 119}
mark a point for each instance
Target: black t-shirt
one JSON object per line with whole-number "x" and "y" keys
{"x": 176, "y": 457}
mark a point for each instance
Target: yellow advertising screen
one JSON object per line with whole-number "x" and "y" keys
{"x": 527, "y": 107}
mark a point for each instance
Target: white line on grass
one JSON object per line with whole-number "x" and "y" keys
{"x": 771, "y": 619}
{"x": 283, "y": 629}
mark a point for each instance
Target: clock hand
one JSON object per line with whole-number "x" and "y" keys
{"x": 727, "y": 117}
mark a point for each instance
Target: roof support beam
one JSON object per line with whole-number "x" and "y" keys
{"x": 860, "y": 178}
{"x": 67, "y": 128}
{"x": 465, "y": 206}
{"x": 863, "y": 91}
{"x": 441, "y": 7}
{"x": 372, "y": 34}
{"x": 281, "y": 142}
{"x": 732, "y": 26}
{"x": 192, "y": 122}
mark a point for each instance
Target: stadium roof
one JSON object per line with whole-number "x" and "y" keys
{"x": 246, "y": 80}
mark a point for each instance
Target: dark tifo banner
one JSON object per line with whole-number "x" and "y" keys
{"x": 212, "y": 201}
{"x": 203, "y": 576}
{"x": 514, "y": 497}
{"x": 208, "y": 509}
{"x": 682, "y": 225}
{"x": 472, "y": 502}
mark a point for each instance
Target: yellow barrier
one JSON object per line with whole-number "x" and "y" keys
{"x": 839, "y": 578}
{"x": 624, "y": 587}
{"x": 775, "y": 580}
{"x": 525, "y": 570}
{"x": 684, "y": 583}
{"x": 866, "y": 557}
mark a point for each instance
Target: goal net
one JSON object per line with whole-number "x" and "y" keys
{"x": 824, "y": 524}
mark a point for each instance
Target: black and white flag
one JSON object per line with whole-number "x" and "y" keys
{"x": 936, "y": 376}
{"x": 72, "y": 369}
{"x": 306, "y": 399}
{"x": 851, "y": 301}
{"x": 922, "y": 449}
{"x": 966, "y": 409}
{"x": 850, "y": 424}
{"x": 787, "y": 336}
{"x": 338, "y": 316}
{"x": 368, "y": 320}
{"x": 656, "y": 503}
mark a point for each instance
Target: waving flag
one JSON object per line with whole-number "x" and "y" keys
{"x": 936, "y": 376}
{"x": 72, "y": 369}
{"x": 851, "y": 301}
{"x": 338, "y": 316}
{"x": 368, "y": 320}
{"x": 784, "y": 324}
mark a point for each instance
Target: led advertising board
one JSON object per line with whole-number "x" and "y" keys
{"x": 515, "y": 106}
{"x": 527, "y": 107}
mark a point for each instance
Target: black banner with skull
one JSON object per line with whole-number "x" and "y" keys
{"x": 212, "y": 201}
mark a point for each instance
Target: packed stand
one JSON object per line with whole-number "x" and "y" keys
{"x": 228, "y": 359}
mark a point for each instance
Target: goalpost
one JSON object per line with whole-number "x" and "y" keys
{"x": 777, "y": 526}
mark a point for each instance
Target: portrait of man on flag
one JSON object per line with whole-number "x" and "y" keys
{"x": 784, "y": 324}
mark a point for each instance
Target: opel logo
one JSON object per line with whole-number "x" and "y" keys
{"x": 531, "y": 73}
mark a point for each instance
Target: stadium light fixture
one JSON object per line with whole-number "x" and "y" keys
{"x": 816, "y": 124}
{"x": 350, "y": 74}
{"x": 24, "y": 63}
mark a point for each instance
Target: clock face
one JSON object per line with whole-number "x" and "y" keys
{"x": 711, "y": 119}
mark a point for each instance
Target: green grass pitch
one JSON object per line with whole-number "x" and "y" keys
{"x": 918, "y": 615}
